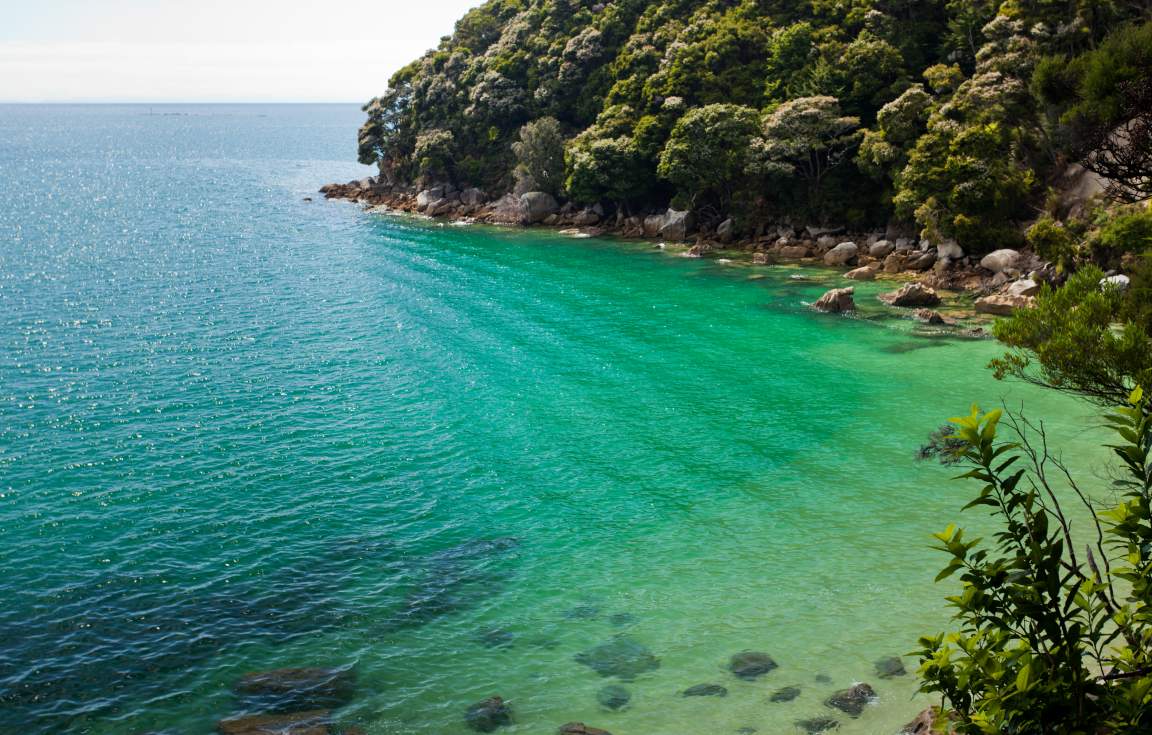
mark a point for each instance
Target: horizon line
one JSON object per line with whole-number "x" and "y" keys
{"x": 178, "y": 102}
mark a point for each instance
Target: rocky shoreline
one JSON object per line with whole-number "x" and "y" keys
{"x": 1002, "y": 282}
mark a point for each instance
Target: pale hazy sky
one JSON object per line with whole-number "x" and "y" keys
{"x": 213, "y": 50}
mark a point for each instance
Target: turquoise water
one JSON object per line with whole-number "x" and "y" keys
{"x": 239, "y": 431}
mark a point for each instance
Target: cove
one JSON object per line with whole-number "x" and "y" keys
{"x": 241, "y": 431}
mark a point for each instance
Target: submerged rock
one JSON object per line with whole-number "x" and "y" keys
{"x": 851, "y": 701}
{"x": 823, "y": 679}
{"x": 314, "y": 722}
{"x": 613, "y": 696}
{"x": 749, "y": 665}
{"x": 496, "y": 638}
{"x": 489, "y": 714}
{"x": 891, "y": 666}
{"x": 579, "y": 728}
{"x": 784, "y": 694}
{"x": 815, "y": 725}
{"x": 582, "y": 612}
{"x": 621, "y": 619}
{"x": 705, "y": 690}
{"x": 622, "y": 657}
{"x": 297, "y": 689}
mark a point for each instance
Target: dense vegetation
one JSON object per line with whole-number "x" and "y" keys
{"x": 1055, "y": 618}
{"x": 955, "y": 115}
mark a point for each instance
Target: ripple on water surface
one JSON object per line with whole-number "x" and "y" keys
{"x": 242, "y": 432}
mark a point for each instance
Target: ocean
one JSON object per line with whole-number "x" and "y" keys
{"x": 240, "y": 431}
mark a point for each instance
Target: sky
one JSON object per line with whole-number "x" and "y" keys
{"x": 213, "y": 50}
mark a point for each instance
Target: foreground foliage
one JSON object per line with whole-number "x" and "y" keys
{"x": 1055, "y": 627}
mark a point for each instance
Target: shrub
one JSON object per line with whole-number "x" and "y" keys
{"x": 1053, "y": 634}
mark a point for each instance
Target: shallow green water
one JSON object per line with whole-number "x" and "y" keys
{"x": 241, "y": 431}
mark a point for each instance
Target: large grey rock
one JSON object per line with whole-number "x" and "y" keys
{"x": 905, "y": 243}
{"x": 950, "y": 249}
{"x": 426, "y": 197}
{"x": 1002, "y": 260}
{"x": 842, "y": 254}
{"x": 836, "y": 301}
{"x": 536, "y": 206}
{"x": 676, "y": 225}
{"x": 506, "y": 210}
{"x": 1023, "y": 287}
{"x": 921, "y": 261}
{"x": 473, "y": 197}
{"x": 652, "y": 225}
{"x": 586, "y": 218}
{"x": 911, "y": 294}
{"x": 881, "y": 248}
{"x": 1119, "y": 281}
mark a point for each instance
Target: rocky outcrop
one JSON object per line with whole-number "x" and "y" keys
{"x": 750, "y": 665}
{"x": 841, "y": 255}
{"x": 1002, "y": 260}
{"x": 536, "y": 206}
{"x": 851, "y": 701}
{"x": 1003, "y": 304}
{"x": 911, "y": 295}
{"x": 488, "y": 715}
{"x": 836, "y": 301}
